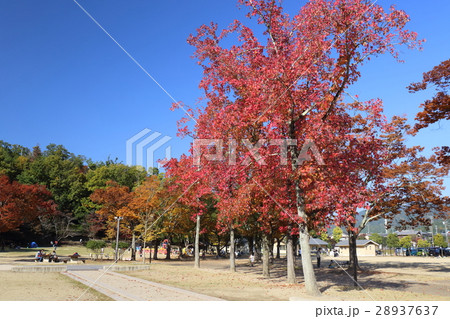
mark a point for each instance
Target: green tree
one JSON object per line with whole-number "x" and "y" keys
{"x": 324, "y": 236}
{"x": 405, "y": 242}
{"x": 376, "y": 238}
{"x": 422, "y": 243}
{"x": 13, "y": 158}
{"x": 337, "y": 234}
{"x": 63, "y": 173}
{"x": 439, "y": 241}
{"x": 130, "y": 176}
{"x": 392, "y": 241}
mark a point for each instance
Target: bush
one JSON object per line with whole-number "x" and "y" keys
{"x": 123, "y": 245}
{"x": 95, "y": 245}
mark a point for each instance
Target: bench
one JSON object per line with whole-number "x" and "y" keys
{"x": 48, "y": 259}
{"x": 98, "y": 256}
{"x": 76, "y": 260}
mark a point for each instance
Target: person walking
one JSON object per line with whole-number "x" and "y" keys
{"x": 252, "y": 259}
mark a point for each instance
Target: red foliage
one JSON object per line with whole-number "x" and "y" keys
{"x": 438, "y": 108}
{"x": 21, "y": 204}
{"x": 288, "y": 88}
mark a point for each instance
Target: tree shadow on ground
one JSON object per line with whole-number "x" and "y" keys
{"x": 369, "y": 277}
{"x": 428, "y": 266}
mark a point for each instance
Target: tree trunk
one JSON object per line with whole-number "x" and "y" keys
{"x": 353, "y": 256}
{"x": 307, "y": 265}
{"x": 266, "y": 255}
{"x": 143, "y": 240}
{"x": 272, "y": 245}
{"x": 197, "y": 243}
{"x": 133, "y": 247}
{"x": 278, "y": 248}
{"x": 296, "y": 245}
{"x": 150, "y": 254}
{"x": 143, "y": 251}
{"x": 290, "y": 259}
{"x": 232, "y": 249}
{"x": 155, "y": 249}
{"x": 218, "y": 246}
{"x": 308, "y": 270}
{"x": 251, "y": 248}
{"x": 168, "y": 248}
{"x": 257, "y": 249}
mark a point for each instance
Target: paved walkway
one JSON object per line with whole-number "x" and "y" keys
{"x": 5, "y": 267}
{"x": 122, "y": 287}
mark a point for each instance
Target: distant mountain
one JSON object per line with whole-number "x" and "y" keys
{"x": 377, "y": 226}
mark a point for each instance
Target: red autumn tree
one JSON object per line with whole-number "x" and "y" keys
{"x": 287, "y": 89}
{"x": 113, "y": 200}
{"x": 158, "y": 214}
{"x": 194, "y": 191}
{"x": 438, "y": 107}
{"x": 402, "y": 181}
{"x": 21, "y": 204}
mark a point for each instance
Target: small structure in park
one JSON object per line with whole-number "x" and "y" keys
{"x": 316, "y": 243}
{"x": 363, "y": 248}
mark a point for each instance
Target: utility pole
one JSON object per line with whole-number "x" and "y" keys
{"x": 431, "y": 227}
{"x": 117, "y": 236}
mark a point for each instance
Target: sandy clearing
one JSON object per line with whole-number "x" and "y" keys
{"x": 383, "y": 278}
{"x": 42, "y": 287}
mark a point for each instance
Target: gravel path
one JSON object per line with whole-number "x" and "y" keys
{"x": 125, "y": 288}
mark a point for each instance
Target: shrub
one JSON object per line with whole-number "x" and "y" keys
{"x": 95, "y": 245}
{"x": 123, "y": 245}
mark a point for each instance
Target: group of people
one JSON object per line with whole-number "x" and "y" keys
{"x": 51, "y": 257}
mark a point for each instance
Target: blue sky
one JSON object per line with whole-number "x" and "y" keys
{"x": 64, "y": 81}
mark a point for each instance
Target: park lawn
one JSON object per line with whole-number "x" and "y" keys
{"x": 248, "y": 284}
{"x": 44, "y": 287}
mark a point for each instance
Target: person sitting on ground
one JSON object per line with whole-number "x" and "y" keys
{"x": 53, "y": 257}
{"x": 39, "y": 256}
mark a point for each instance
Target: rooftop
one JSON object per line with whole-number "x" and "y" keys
{"x": 363, "y": 242}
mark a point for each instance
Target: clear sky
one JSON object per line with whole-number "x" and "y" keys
{"x": 64, "y": 81}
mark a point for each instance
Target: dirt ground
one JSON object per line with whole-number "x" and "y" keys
{"x": 15, "y": 286}
{"x": 381, "y": 279}
{"x": 43, "y": 286}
